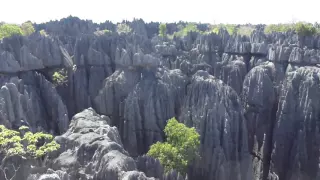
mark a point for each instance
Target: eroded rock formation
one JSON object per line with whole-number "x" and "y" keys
{"x": 253, "y": 99}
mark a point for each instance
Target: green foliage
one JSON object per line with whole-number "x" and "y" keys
{"x": 191, "y": 27}
{"x": 59, "y": 77}
{"x": 27, "y": 28}
{"x": 231, "y": 28}
{"x": 25, "y": 143}
{"x": 180, "y": 148}
{"x": 278, "y": 28}
{"x": 123, "y": 28}
{"x": 43, "y": 32}
{"x": 162, "y": 30}
{"x": 245, "y": 30}
{"x": 305, "y": 29}
{"x": 102, "y": 32}
{"x": 7, "y": 30}
{"x": 301, "y": 28}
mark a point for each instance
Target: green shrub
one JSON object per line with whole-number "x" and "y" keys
{"x": 278, "y": 28}
{"x": 231, "y": 28}
{"x": 301, "y": 28}
{"x": 7, "y": 30}
{"x": 162, "y": 30}
{"x": 191, "y": 27}
{"x": 27, "y": 28}
{"x": 43, "y": 33}
{"x": 180, "y": 148}
{"x": 123, "y": 28}
{"x": 59, "y": 77}
{"x": 305, "y": 29}
{"x": 25, "y": 144}
{"x": 245, "y": 30}
{"x": 102, "y": 32}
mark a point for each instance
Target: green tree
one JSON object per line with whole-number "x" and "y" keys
{"x": 180, "y": 148}
{"x": 23, "y": 143}
{"x": 123, "y": 28}
{"x": 27, "y": 28}
{"x": 162, "y": 30}
{"x": 305, "y": 29}
{"x": 59, "y": 77}
{"x": 7, "y": 30}
{"x": 191, "y": 27}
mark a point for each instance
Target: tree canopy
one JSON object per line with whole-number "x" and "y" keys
{"x": 162, "y": 30}
{"x": 301, "y": 28}
{"x": 23, "y": 143}
{"x": 27, "y": 28}
{"x": 123, "y": 28}
{"x": 7, "y": 30}
{"x": 180, "y": 148}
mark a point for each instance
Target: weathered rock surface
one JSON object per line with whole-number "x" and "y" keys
{"x": 215, "y": 110}
{"x": 295, "y": 140}
{"x": 259, "y": 99}
{"x": 32, "y": 100}
{"x": 91, "y": 149}
{"x": 259, "y": 121}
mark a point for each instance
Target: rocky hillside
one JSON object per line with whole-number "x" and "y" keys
{"x": 255, "y": 100}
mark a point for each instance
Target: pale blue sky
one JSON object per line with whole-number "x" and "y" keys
{"x": 208, "y": 11}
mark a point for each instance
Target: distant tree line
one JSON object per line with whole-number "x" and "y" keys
{"x": 7, "y": 30}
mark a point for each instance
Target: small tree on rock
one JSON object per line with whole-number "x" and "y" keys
{"x": 7, "y": 30}
{"x": 27, "y": 28}
{"x": 162, "y": 30}
{"x": 25, "y": 144}
{"x": 179, "y": 150}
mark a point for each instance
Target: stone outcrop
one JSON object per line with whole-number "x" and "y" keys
{"x": 214, "y": 109}
{"x": 32, "y": 100}
{"x": 253, "y": 99}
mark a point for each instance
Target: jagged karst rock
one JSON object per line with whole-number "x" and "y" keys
{"x": 32, "y": 101}
{"x": 295, "y": 154}
{"x": 20, "y": 53}
{"x": 215, "y": 110}
{"x": 98, "y": 154}
{"x": 140, "y": 102}
{"x": 138, "y": 80}
{"x": 259, "y": 99}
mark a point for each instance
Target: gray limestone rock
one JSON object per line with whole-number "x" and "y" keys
{"x": 214, "y": 109}
{"x": 259, "y": 49}
{"x": 93, "y": 149}
{"x": 259, "y": 101}
{"x": 32, "y": 101}
{"x": 279, "y": 54}
{"x": 238, "y": 45}
{"x": 295, "y": 154}
{"x": 148, "y": 106}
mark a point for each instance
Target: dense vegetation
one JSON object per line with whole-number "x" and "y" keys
{"x": 301, "y": 28}
{"x": 7, "y": 30}
{"x": 184, "y": 30}
{"x": 180, "y": 148}
{"x": 123, "y": 28}
{"x": 59, "y": 77}
{"x": 23, "y": 143}
{"x": 162, "y": 30}
{"x": 27, "y": 28}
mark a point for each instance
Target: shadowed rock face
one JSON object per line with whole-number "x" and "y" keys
{"x": 140, "y": 102}
{"x": 91, "y": 149}
{"x": 252, "y": 99}
{"x": 259, "y": 100}
{"x": 215, "y": 110}
{"x": 33, "y": 101}
{"x": 295, "y": 140}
